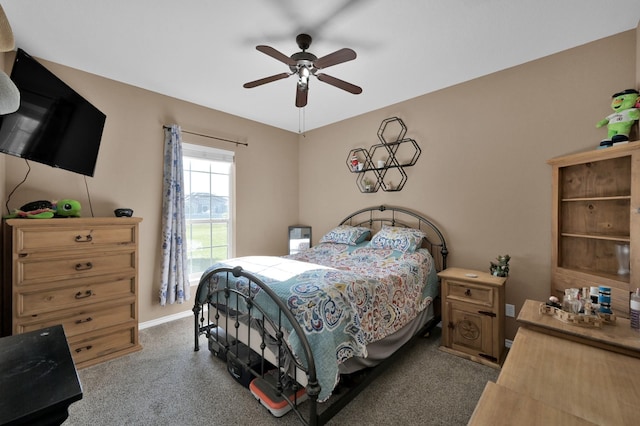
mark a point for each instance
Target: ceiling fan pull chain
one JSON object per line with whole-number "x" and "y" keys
{"x": 301, "y": 120}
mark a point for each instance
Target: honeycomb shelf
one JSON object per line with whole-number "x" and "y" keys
{"x": 382, "y": 173}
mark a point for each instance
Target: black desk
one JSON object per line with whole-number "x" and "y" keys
{"x": 38, "y": 379}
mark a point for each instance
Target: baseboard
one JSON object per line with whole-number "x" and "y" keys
{"x": 163, "y": 320}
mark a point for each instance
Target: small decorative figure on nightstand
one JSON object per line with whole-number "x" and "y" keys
{"x": 500, "y": 268}
{"x": 620, "y": 122}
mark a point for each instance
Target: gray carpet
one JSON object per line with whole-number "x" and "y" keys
{"x": 167, "y": 383}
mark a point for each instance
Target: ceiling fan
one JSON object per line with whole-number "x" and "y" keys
{"x": 305, "y": 64}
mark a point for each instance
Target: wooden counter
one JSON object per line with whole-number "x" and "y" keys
{"x": 499, "y": 406}
{"x": 597, "y": 385}
{"x": 619, "y": 337}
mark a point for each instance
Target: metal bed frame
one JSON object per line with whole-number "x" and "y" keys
{"x": 266, "y": 338}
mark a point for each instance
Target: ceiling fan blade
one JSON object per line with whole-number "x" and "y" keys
{"x": 265, "y": 80}
{"x": 268, "y": 50}
{"x": 340, "y": 84}
{"x": 337, "y": 57}
{"x": 301, "y": 97}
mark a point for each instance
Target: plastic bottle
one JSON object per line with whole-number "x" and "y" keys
{"x": 634, "y": 305}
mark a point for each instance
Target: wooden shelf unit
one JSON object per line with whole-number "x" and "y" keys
{"x": 596, "y": 204}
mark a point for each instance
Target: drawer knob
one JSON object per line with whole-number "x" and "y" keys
{"x": 80, "y": 321}
{"x": 81, "y": 295}
{"x": 85, "y": 239}
{"x": 78, "y": 350}
{"x": 467, "y": 292}
{"x": 84, "y": 266}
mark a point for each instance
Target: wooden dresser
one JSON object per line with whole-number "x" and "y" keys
{"x": 564, "y": 374}
{"x": 78, "y": 272}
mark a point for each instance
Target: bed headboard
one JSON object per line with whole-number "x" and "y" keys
{"x": 375, "y": 217}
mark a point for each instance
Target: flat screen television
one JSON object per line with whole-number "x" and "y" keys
{"x": 54, "y": 125}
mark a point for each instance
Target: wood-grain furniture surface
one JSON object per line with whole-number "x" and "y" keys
{"x": 38, "y": 380}
{"x": 596, "y": 205}
{"x": 597, "y": 385}
{"x": 618, "y": 337}
{"x": 501, "y": 406}
{"x": 78, "y": 272}
{"x": 562, "y": 371}
{"x": 473, "y": 315}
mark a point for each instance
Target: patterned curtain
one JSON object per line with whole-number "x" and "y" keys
{"x": 175, "y": 280}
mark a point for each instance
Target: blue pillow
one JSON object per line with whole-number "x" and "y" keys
{"x": 398, "y": 238}
{"x": 346, "y": 234}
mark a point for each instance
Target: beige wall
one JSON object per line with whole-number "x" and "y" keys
{"x": 482, "y": 175}
{"x": 129, "y": 172}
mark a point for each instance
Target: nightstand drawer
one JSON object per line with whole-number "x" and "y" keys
{"x": 470, "y": 293}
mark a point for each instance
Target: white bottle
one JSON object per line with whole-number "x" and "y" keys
{"x": 634, "y": 305}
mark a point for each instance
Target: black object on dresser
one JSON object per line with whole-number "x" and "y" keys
{"x": 38, "y": 379}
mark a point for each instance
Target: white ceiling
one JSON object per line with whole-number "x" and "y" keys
{"x": 202, "y": 51}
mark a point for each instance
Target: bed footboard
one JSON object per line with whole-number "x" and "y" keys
{"x": 221, "y": 305}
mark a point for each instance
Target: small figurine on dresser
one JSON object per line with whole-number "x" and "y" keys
{"x": 626, "y": 113}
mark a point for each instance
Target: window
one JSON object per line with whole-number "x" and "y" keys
{"x": 208, "y": 178}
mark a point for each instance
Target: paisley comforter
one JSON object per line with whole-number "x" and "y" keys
{"x": 344, "y": 297}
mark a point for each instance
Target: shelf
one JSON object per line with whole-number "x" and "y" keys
{"x": 361, "y": 161}
{"x": 624, "y": 279}
{"x": 614, "y": 198}
{"x": 621, "y": 238}
{"x": 596, "y": 202}
{"x": 381, "y": 168}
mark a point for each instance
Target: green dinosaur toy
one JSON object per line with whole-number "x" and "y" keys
{"x": 620, "y": 122}
{"x": 68, "y": 208}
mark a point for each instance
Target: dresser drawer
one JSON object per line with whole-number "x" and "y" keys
{"x": 93, "y": 317}
{"x": 97, "y": 347}
{"x": 32, "y": 270}
{"x": 37, "y": 300}
{"x": 62, "y": 237}
{"x": 470, "y": 293}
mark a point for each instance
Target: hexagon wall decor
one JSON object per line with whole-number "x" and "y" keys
{"x": 375, "y": 169}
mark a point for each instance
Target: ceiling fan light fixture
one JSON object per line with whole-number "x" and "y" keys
{"x": 303, "y": 74}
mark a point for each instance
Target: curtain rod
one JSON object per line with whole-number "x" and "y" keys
{"x": 208, "y": 136}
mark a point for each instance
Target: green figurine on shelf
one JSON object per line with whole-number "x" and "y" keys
{"x": 626, "y": 112}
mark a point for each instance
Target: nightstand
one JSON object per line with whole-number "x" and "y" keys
{"x": 473, "y": 315}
